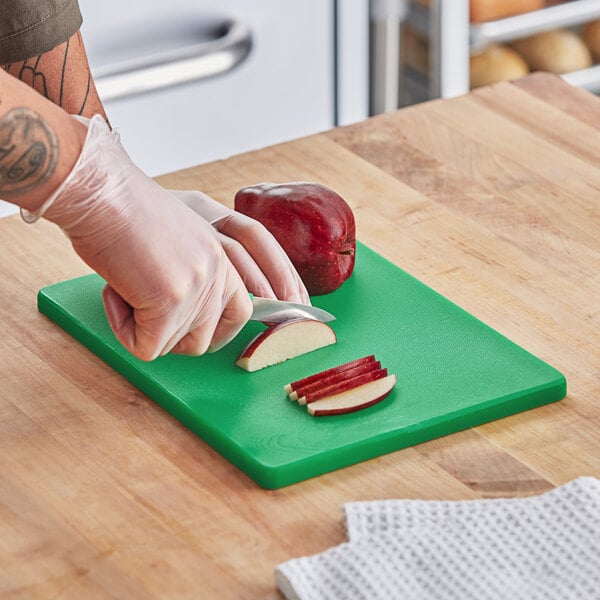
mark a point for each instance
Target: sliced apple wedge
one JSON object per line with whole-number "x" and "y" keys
{"x": 290, "y": 387}
{"x": 353, "y": 399}
{"x": 345, "y": 388}
{"x": 315, "y": 386}
{"x": 342, "y": 386}
{"x": 283, "y": 341}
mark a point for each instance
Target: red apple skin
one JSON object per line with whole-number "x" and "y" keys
{"x": 315, "y": 386}
{"x": 314, "y": 226}
{"x": 322, "y": 374}
{"x": 342, "y": 386}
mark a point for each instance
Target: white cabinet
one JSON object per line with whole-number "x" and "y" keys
{"x": 282, "y": 88}
{"x": 190, "y": 81}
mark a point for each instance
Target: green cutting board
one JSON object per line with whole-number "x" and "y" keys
{"x": 453, "y": 371}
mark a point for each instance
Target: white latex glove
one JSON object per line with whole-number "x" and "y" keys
{"x": 259, "y": 259}
{"x": 170, "y": 285}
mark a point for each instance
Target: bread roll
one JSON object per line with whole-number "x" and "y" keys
{"x": 496, "y": 63}
{"x": 489, "y": 10}
{"x": 557, "y": 51}
{"x": 591, "y": 37}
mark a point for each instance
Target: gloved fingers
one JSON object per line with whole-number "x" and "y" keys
{"x": 254, "y": 279}
{"x": 121, "y": 318}
{"x": 267, "y": 254}
{"x": 258, "y": 242}
{"x": 194, "y": 334}
{"x": 236, "y": 314}
{"x": 211, "y": 336}
{"x": 194, "y": 343}
{"x": 135, "y": 335}
{"x": 210, "y": 210}
{"x": 199, "y": 345}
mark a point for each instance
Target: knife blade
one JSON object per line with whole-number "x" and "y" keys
{"x": 278, "y": 311}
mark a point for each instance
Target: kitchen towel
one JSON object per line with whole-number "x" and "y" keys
{"x": 540, "y": 547}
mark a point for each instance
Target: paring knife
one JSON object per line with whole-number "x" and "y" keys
{"x": 278, "y": 311}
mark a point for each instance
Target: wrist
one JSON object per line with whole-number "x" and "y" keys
{"x": 59, "y": 154}
{"x": 81, "y": 183}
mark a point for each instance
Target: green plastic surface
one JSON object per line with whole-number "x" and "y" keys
{"x": 454, "y": 372}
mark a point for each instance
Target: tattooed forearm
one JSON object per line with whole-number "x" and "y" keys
{"x": 28, "y": 151}
{"x": 62, "y": 76}
{"x": 30, "y": 72}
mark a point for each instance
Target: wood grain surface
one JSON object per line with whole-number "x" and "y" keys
{"x": 493, "y": 199}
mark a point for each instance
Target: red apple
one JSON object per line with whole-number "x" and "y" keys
{"x": 314, "y": 225}
{"x": 289, "y": 387}
{"x": 356, "y": 398}
{"x": 342, "y": 386}
{"x": 315, "y": 386}
{"x": 285, "y": 340}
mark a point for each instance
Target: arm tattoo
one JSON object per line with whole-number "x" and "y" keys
{"x": 62, "y": 74}
{"x": 49, "y": 73}
{"x": 87, "y": 93}
{"x": 33, "y": 76}
{"x": 28, "y": 151}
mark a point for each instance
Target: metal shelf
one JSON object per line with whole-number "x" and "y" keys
{"x": 509, "y": 29}
{"x": 588, "y": 79}
{"x": 451, "y": 38}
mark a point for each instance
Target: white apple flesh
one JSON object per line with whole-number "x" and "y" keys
{"x": 353, "y": 399}
{"x": 315, "y": 386}
{"x": 289, "y": 387}
{"x": 283, "y": 341}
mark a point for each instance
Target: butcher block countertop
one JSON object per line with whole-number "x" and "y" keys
{"x": 492, "y": 199}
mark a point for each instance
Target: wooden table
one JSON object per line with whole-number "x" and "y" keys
{"x": 493, "y": 199}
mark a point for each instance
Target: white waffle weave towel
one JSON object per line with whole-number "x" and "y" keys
{"x": 542, "y": 547}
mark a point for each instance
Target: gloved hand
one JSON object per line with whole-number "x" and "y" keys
{"x": 259, "y": 259}
{"x": 170, "y": 285}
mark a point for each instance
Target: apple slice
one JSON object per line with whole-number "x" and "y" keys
{"x": 283, "y": 341}
{"x": 342, "y": 386}
{"x": 289, "y": 387}
{"x": 353, "y": 399}
{"x": 310, "y": 388}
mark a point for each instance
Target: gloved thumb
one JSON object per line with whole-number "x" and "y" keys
{"x": 120, "y": 317}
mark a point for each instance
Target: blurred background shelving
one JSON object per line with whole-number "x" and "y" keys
{"x": 219, "y": 77}
{"x": 426, "y": 49}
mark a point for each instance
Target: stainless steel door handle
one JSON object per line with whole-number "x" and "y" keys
{"x": 173, "y": 67}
